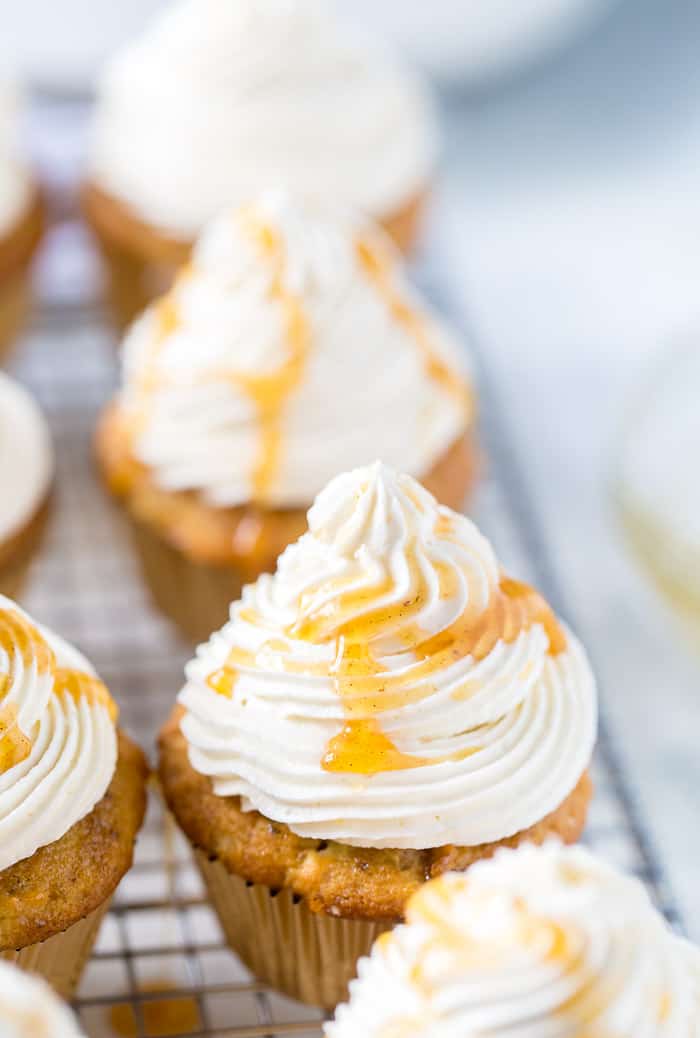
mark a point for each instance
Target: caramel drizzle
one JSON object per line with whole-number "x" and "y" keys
{"x": 78, "y": 685}
{"x": 15, "y": 746}
{"x": 363, "y": 684}
{"x": 268, "y": 391}
{"x": 20, "y": 639}
{"x": 433, "y": 907}
{"x": 378, "y": 268}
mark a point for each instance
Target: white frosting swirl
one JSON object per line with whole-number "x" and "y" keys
{"x": 30, "y": 1009}
{"x": 26, "y": 457}
{"x": 58, "y": 743}
{"x": 538, "y": 942}
{"x": 14, "y": 180}
{"x": 388, "y": 686}
{"x": 288, "y": 350}
{"x": 219, "y": 100}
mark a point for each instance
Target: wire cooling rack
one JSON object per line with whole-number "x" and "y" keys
{"x": 161, "y": 966}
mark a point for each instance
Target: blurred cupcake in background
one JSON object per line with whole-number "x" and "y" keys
{"x": 539, "y": 941}
{"x": 386, "y": 707}
{"x": 218, "y": 101}
{"x": 30, "y": 1009}
{"x": 26, "y": 473}
{"x": 72, "y": 799}
{"x": 21, "y": 223}
{"x": 289, "y": 349}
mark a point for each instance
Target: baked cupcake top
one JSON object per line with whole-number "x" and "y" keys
{"x": 537, "y": 941}
{"x": 30, "y": 1009}
{"x": 26, "y": 458}
{"x": 218, "y": 100}
{"x": 389, "y": 685}
{"x": 58, "y": 741}
{"x": 286, "y": 351}
{"x": 14, "y": 180}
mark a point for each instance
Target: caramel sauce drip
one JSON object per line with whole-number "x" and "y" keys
{"x": 268, "y": 391}
{"x": 224, "y": 680}
{"x": 434, "y": 908}
{"x": 18, "y": 638}
{"x": 163, "y": 1017}
{"x": 78, "y": 685}
{"x": 362, "y": 749}
{"x": 362, "y": 682}
{"x": 15, "y": 746}
{"x": 378, "y": 268}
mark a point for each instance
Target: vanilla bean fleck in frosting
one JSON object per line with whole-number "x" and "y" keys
{"x": 285, "y": 352}
{"x": 58, "y": 743}
{"x": 389, "y": 685}
{"x": 540, "y": 941}
{"x": 14, "y": 179}
{"x": 220, "y": 100}
{"x": 30, "y": 1009}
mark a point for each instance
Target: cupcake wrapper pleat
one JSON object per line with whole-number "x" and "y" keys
{"x": 307, "y": 955}
{"x": 60, "y": 959}
{"x": 195, "y": 596}
{"x": 15, "y": 301}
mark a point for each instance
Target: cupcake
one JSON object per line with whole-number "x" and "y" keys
{"x": 26, "y": 472}
{"x": 72, "y": 799}
{"x": 218, "y": 101}
{"x": 290, "y": 349}
{"x": 388, "y": 706}
{"x": 21, "y": 224}
{"x": 30, "y": 1009}
{"x": 540, "y": 941}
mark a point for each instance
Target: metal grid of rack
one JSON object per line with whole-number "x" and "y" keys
{"x": 161, "y": 966}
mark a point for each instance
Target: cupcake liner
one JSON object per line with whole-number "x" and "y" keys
{"x": 15, "y": 301}
{"x": 17, "y": 554}
{"x": 131, "y": 282}
{"x": 195, "y": 596}
{"x": 309, "y": 956}
{"x": 60, "y": 959}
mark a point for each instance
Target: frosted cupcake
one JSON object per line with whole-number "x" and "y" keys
{"x": 290, "y": 349}
{"x": 21, "y": 223}
{"x": 388, "y": 706}
{"x": 72, "y": 798}
{"x": 26, "y": 472}
{"x": 30, "y": 1009}
{"x": 539, "y": 941}
{"x": 218, "y": 101}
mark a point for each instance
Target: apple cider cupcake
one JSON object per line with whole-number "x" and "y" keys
{"x": 538, "y": 941}
{"x": 388, "y": 706}
{"x": 26, "y": 474}
{"x": 218, "y": 101}
{"x": 72, "y": 799}
{"x": 21, "y": 225}
{"x": 30, "y": 1009}
{"x": 291, "y": 348}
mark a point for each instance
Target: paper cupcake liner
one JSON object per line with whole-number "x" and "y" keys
{"x": 60, "y": 959}
{"x": 13, "y": 577}
{"x": 17, "y": 554}
{"x": 309, "y": 956}
{"x": 195, "y": 596}
{"x": 131, "y": 282}
{"x": 15, "y": 301}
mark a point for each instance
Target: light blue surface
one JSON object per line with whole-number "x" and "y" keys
{"x": 569, "y": 216}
